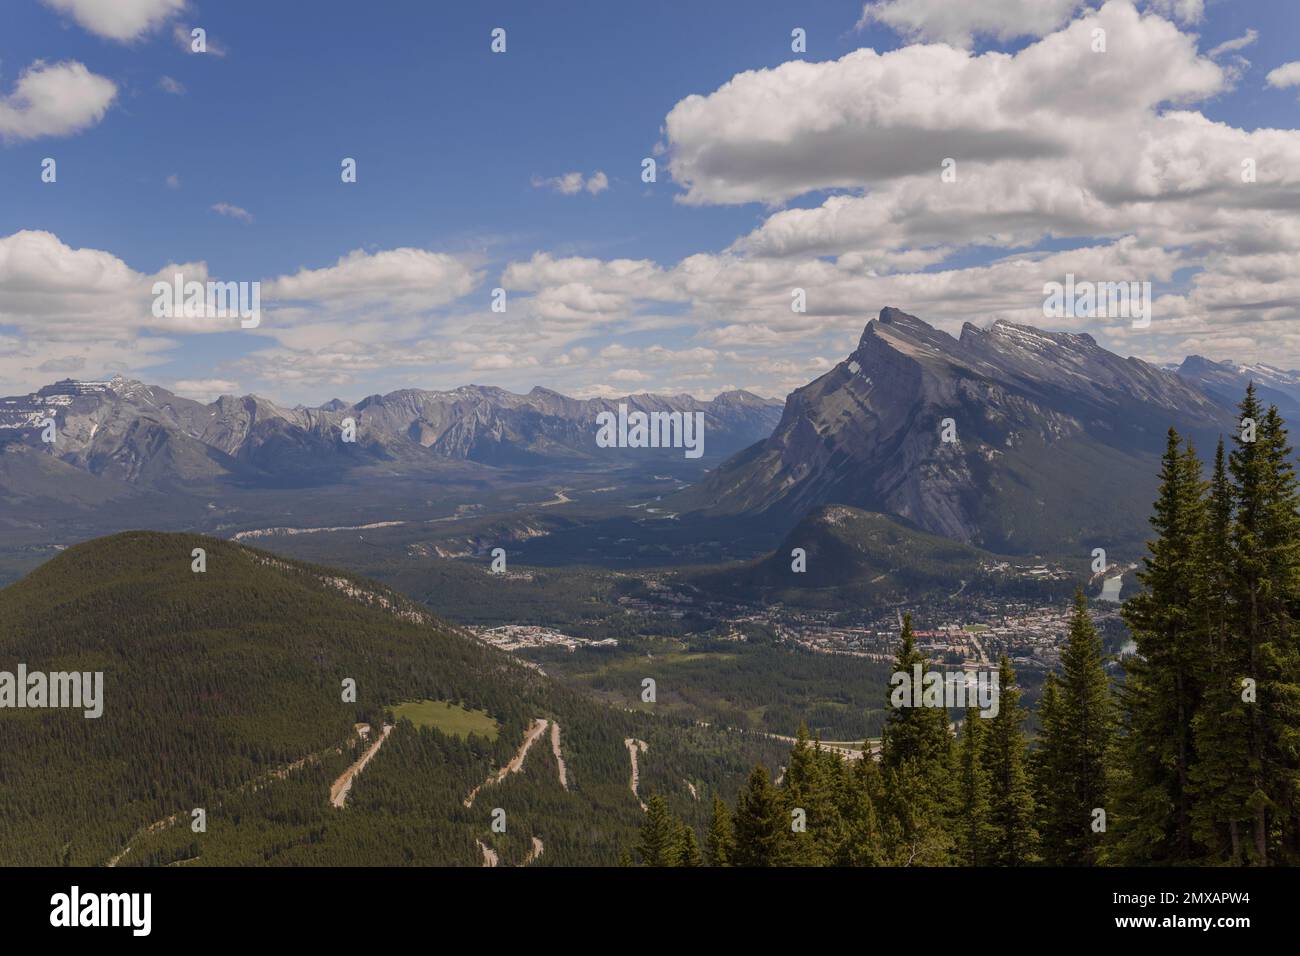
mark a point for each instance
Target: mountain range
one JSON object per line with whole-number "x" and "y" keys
{"x": 142, "y": 435}
{"x": 1052, "y": 440}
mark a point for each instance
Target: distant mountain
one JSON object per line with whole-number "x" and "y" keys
{"x": 1056, "y": 446}
{"x": 144, "y": 436}
{"x": 1227, "y": 381}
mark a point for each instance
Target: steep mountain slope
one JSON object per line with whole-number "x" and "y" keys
{"x": 1227, "y": 381}
{"x": 146, "y": 436}
{"x": 223, "y": 690}
{"x": 1055, "y": 438}
{"x": 854, "y": 557}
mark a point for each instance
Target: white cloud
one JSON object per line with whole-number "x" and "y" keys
{"x": 1286, "y": 75}
{"x": 54, "y": 99}
{"x": 204, "y": 389}
{"x": 120, "y": 20}
{"x": 957, "y": 23}
{"x": 394, "y": 280}
{"x": 183, "y": 37}
{"x": 232, "y": 212}
{"x": 1235, "y": 44}
{"x": 169, "y": 85}
{"x": 570, "y": 184}
{"x": 867, "y": 118}
{"x": 1184, "y": 11}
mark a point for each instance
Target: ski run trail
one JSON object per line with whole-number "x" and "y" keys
{"x": 633, "y": 745}
{"x": 343, "y": 785}
{"x": 490, "y": 857}
{"x": 516, "y": 762}
{"x": 360, "y": 731}
{"x": 559, "y": 760}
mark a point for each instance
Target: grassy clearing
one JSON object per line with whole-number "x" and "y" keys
{"x": 448, "y": 717}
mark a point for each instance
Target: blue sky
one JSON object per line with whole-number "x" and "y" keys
{"x": 457, "y": 148}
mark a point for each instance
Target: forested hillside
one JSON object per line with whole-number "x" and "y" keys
{"x": 223, "y": 690}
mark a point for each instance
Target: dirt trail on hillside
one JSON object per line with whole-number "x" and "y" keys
{"x": 343, "y": 785}
{"x": 633, "y": 745}
{"x": 534, "y": 853}
{"x": 559, "y": 760}
{"x": 516, "y": 762}
{"x": 252, "y": 786}
{"x": 489, "y": 854}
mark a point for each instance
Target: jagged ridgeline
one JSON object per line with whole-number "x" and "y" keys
{"x": 223, "y": 691}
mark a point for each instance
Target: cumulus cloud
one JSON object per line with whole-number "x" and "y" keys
{"x": 120, "y": 20}
{"x": 54, "y": 99}
{"x": 958, "y": 23}
{"x": 1285, "y": 76}
{"x": 394, "y": 280}
{"x": 866, "y": 118}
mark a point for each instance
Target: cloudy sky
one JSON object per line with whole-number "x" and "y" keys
{"x": 523, "y": 170}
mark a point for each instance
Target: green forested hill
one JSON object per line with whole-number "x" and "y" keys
{"x": 218, "y": 684}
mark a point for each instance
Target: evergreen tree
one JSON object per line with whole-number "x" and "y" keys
{"x": 762, "y": 827}
{"x": 1011, "y": 804}
{"x": 660, "y": 834}
{"x": 914, "y": 732}
{"x": 688, "y": 848}
{"x": 810, "y": 786}
{"x": 1161, "y": 691}
{"x": 1221, "y": 778}
{"x": 972, "y": 833}
{"x": 1266, "y": 539}
{"x": 1078, "y": 732}
{"x": 718, "y": 843}
{"x": 915, "y": 757}
{"x": 859, "y": 788}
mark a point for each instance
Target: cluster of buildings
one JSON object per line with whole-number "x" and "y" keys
{"x": 518, "y": 637}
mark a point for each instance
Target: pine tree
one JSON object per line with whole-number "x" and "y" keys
{"x": 810, "y": 786}
{"x": 914, "y": 733}
{"x": 762, "y": 827}
{"x": 1078, "y": 733}
{"x": 1011, "y": 805}
{"x": 718, "y": 843}
{"x": 859, "y": 789}
{"x": 971, "y": 831}
{"x": 688, "y": 847}
{"x": 1266, "y": 539}
{"x": 1220, "y": 780}
{"x": 915, "y": 756}
{"x": 660, "y": 834}
{"x": 1161, "y": 692}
